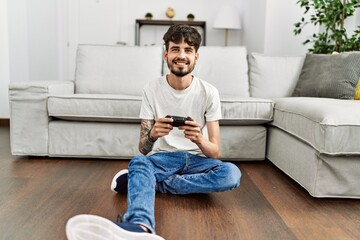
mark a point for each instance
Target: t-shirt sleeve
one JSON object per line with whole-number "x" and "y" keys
{"x": 146, "y": 111}
{"x": 213, "y": 111}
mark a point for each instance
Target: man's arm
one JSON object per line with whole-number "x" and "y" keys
{"x": 210, "y": 147}
{"x": 146, "y": 144}
{"x": 151, "y": 130}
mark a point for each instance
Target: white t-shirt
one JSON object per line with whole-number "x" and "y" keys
{"x": 200, "y": 100}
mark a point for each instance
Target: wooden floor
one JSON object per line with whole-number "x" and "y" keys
{"x": 39, "y": 194}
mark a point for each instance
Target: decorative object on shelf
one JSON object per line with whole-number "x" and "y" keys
{"x": 227, "y": 18}
{"x": 170, "y": 12}
{"x": 330, "y": 17}
{"x": 190, "y": 17}
{"x": 201, "y": 25}
{"x": 148, "y": 16}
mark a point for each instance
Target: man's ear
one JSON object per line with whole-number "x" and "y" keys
{"x": 196, "y": 56}
{"x": 165, "y": 54}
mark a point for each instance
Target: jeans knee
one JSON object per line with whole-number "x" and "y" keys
{"x": 139, "y": 161}
{"x": 233, "y": 175}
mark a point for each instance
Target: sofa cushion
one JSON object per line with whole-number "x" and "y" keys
{"x": 116, "y": 69}
{"x": 125, "y": 108}
{"x": 245, "y": 111}
{"x": 226, "y": 68}
{"x": 331, "y": 126}
{"x": 95, "y": 107}
{"x": 273, "y": 76}
{"x": 329, "y": 76}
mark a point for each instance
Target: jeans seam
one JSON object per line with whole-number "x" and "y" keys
{"x": 186, "y": 164}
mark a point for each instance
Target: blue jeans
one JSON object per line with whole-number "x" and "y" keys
{"x": 176, "y": 173}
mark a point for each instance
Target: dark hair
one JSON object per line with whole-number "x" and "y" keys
{"x": 176, "y": 33}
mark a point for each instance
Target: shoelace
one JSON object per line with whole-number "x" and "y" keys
{"x": 119, "y": 218}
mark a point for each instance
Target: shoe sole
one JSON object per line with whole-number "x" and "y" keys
{"x": 91, "y": 227}
{"x": 114, "y": 183}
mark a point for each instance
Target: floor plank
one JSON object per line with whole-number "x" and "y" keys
{"x": 39, "y": 194}
{"x": 304, "y": 215}
{"x": 229, "y": 215}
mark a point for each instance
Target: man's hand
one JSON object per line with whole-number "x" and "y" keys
{"x": 162, "y": 127}
{"x": 211, "y": 146}
{"x": 151, "y": 130}
{"x": 192, "y": 131}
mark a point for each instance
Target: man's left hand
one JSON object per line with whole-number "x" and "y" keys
{"x": 192, "y": 131}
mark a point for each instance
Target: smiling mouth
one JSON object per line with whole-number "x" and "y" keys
{"x": 181, "y": 62}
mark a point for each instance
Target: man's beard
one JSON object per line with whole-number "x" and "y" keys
{"x": 181, "y": 72}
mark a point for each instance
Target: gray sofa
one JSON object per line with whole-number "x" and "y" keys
{"x": 96, "y": 115}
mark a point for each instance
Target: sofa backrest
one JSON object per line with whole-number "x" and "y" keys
{"x": 273, "y": 76}
{"x": 104, "y": 69}
{"x": 224, "y": 67}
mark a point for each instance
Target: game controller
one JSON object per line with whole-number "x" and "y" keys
{"x": 179, "y": 121}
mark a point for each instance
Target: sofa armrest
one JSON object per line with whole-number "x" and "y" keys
{"x": 29, "y": 120}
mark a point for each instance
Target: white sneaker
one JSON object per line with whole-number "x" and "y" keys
{"x": 91, "y": 227}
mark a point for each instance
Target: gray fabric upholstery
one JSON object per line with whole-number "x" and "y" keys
{"x": 331, "y": 126}
{"x": 93, "y": 139}
{"x": 226, "y": 68}
{"x": 107, "y": 91}
{"x": 321, "y": 175}
{"x": 245, "y": 111}
{"x": 331, "y": 76}
{"x": 29, "y": 120}
{"x": 124, "y": 108}
{"x": 95, "y": 107}
{"x": 116, "y": 69}
{"x": 120, "y": 140}
{"x": 273, "y": 76}
{"x": 313, "y": 140}
{"x": 243, "y": 142}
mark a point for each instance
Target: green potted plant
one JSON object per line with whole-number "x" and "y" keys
{"x": 190, "y": 17}
{"x": 148, "y": 15}
{"x": 330, "y": 15}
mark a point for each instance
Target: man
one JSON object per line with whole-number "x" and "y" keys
{"x": 177, "y": 160}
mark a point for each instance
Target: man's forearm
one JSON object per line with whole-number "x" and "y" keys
{"x": 209, "y": 148}
{"x": 146, "y": 143}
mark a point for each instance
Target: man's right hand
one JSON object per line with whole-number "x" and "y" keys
{"x": 162, "y": 127}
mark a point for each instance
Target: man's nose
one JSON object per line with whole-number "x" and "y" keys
{"x": 181, "y": 54}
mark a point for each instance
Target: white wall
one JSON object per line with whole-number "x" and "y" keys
{"x": 254, "y": 18}
{"x": 34, "y": 49}
{"x": 352, "y": 22}
{"x": 279, "y": 25}
{"x": 113, "y": 21}
{"x": 18, "y": 40}
{"x": 280, "y": 17}
{"x": 204, "y": 10}
{"x": 35, "y": 34}
{"x": 42, "y": 25}
{"x": 269, "y": 24}
{"x": 33, "y": 39}
{"x": 119, "y": 17}
{"x": 4, "y": 61}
